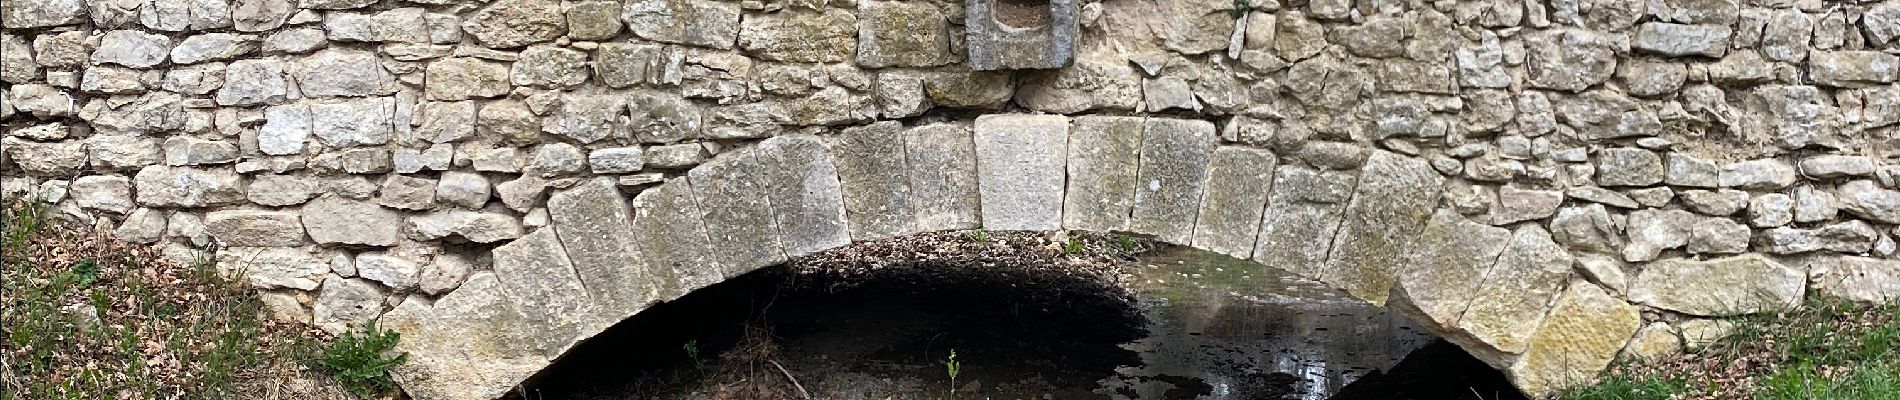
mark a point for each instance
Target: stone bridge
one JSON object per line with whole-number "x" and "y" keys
{"x": 1550, "y": 184}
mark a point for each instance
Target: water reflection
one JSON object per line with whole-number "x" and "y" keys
{"x": 1222, "y": 328}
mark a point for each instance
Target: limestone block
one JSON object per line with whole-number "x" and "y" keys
{"x": 1517, "y": 290}
{"x": 281, "y": 190}
{"x": 877, "y": 197}
{"x": 359, "y": 122}
{"x": 35, "y": 14}
{"x": 253, "y": 228}
{"x": 702, "y": 23}
{"x": 1436, "y": 281}
{"x": 1682, "y": 40}
{"x": 1762, "y": 174}
{"x": 542, "y": 283}
{"x": 549, "y": 66}
{"x": 1170, "y": 177}
{"x": 467, "y": 345}
{"x": 801, "y": 36}
{"x": 593, "y": 20}
{"x": 1858, "y": 279}
{"x": 1739, "y": 285}
{"x": 333, "y": 219}
{"x": 160, "y": 186}
{"x": 1102, "y": 167}
{"x": 249, "y": 82}
{"x": 462, "y": 78}
{"x": 1239, "y": 181}
{"x": 596, "y": 228}
{"x": 737, "y": 213}
{"x": 1579, "y": 337}
{"x": 1395, "y": 196}
{"x": 472, "y": 226}
{"x": 108, "y": 193}
{"x": 902, "y": 34}
{"x": 943, "y": 178}
{"x": 806, "y": 194}
{"x": 132, "y": 48}
{"x": 516, "y": 23}
{"x": 1865, "y": 199}
{"x": 340, "y": 72}
{"x": 668, "y": 228}
{"x": 212, "y": 47}
{"x": 1853, "y": 68}
{"x": 392, "y": 271}
{"x": 1302, "y": 217}
{"x": 345, "y": 304}
{"x": 1020, "y": 170}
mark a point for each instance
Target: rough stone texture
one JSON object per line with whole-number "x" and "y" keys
{"x": 345, "y": 304}
{"x": 902, "y": 34}
{"x": 738, "y": 215}
{"x": 806, "y": 194}
{"x": 668, "y": 228}
{"x": 1858, "y": 279}
{"x": 702, "y": 23}
{"x": 1103, "y": 152}
{"x": 1435, "y": 281}
{"x": 249, "y": 228}
{"x": 1019, "y": 170}
{"x": 149, "y": 117}
{"x": 596, "y": 229}
{"x": 943, "y": 179}
{"x": 516, "y": 23}
{"x": 1302, "y": 215}
{"x": 1739, "y": 285}
{"x": 1170, "y": 178}
{"x": 1582, "y": 333}
{"x": 1516, "y": 291}
{"x": 870, "y": 163}
{"x": 1395, "y": 196}
{"x": 333, "y": 219}
{"x": 1239, "y": 181}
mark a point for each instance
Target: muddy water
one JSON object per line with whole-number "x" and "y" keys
{"x": 1220, "y": 328}
{"x": 1197, "y": 326}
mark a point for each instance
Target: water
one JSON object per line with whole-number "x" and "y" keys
{"x": 1193, "y": 325}
{"x": 1238, "y": 331}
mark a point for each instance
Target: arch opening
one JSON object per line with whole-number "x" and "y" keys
{"x": 1031, "y": 315}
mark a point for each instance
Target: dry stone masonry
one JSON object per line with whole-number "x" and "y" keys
{"x": 1550, "y": 184}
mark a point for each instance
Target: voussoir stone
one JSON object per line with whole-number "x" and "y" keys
{"x": 1579, "y": 338}
{"x": 1020, "y": 170}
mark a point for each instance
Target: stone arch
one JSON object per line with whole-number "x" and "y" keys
{"x": 1375, "y": 231}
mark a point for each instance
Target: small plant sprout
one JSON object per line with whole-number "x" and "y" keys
{"x": 951, "y": 366}
{"x": 1241, "y": 7}
{"x": 692, "y": 352}
{"x": 980, "y": 235}
{"x": 1128, "y": 243}
{"x": 1074, "y": 246}
{"x": 360, "y": 360}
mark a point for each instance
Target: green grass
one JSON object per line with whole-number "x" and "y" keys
{"x": 1826, "y": 351}
{"x": 83, "y": 316}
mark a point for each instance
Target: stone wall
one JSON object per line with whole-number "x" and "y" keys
{"x": 1539, "y": 181}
